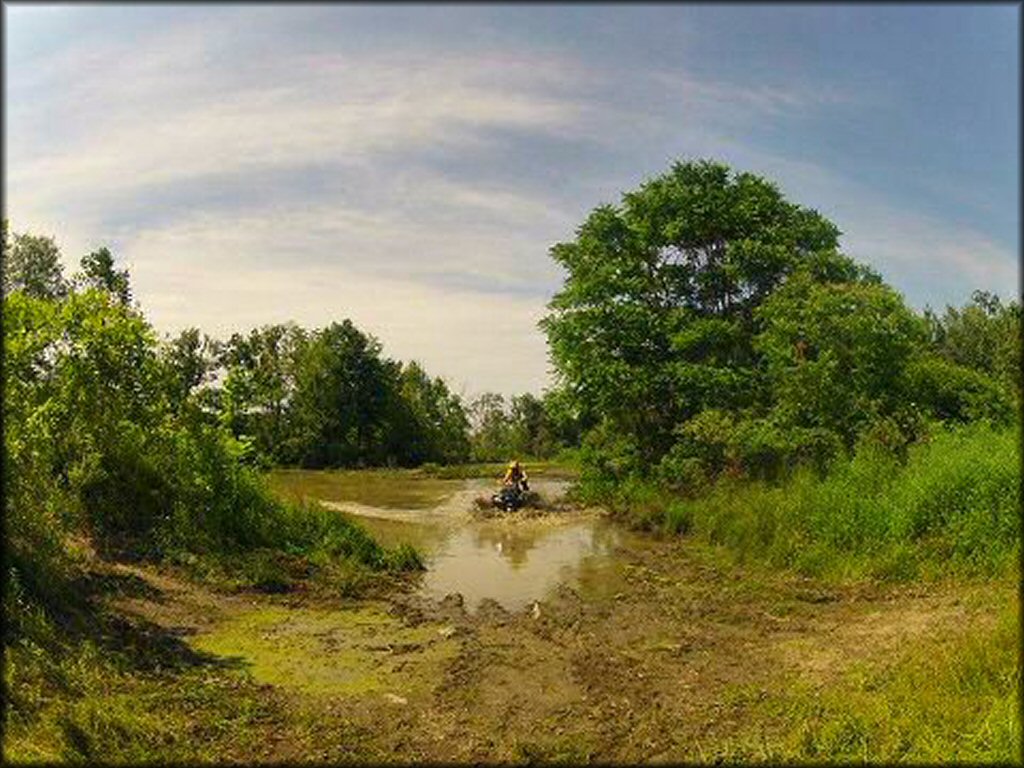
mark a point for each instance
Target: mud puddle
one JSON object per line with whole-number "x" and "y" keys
{"x": 512, "y": 561}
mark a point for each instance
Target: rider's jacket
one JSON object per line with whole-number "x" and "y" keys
{"x": 514, "y": 474}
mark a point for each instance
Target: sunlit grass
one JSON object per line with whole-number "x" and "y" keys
{"x": 953, "y": 505}
{"x": 949, "y": 699}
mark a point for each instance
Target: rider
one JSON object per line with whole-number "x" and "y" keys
{"x": 515, "y": 476}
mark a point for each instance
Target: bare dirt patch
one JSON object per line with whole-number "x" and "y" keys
{"x": 637, "y": 663}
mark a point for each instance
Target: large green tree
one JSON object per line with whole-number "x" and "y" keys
{"x": 656, "y": 319}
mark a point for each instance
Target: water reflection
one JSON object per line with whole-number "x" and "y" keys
{"x": 513, "y": 567}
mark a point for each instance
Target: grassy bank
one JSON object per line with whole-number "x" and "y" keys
{"x": 563, "y": 467}
{"x": 90, "y": 686}
{"x": 951, "y": 699}
{"x": 101, "y": 685}
{"x": 951, "y": 505}
{"x": 83, "y": 682}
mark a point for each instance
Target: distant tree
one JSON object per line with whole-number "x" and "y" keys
{"x": 438, "y": 431}
{"x": 31, "y": 265}
{"x": 98, "y": 272}
{"x": 531, "y": 435}
{"x": 191, "y": 359}
{"x": 329, "y": 398}
{"x": 341, "y": 398}
{"x": 565, "y": 419}
{"x": 490, "y": 426}
{"x": 260, "y": 379}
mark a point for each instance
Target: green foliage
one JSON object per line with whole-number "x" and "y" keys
{"x": 708, "y": 327}
{"x": 954, "y": 503}
{"x": 328, "y": 398}
{"x": 31, "y": 265}
{"x": 953, "y": 392}
{"x": 340, "y": 398}
{"x": 437, "y": 424}
{"x": 984, "y": 335}
{"x": 657, "y": 317}
{"x": 98, "y": 272}
{"x": 102, "y": 447}
{"x": 834, "y": 354}
{"x": 491, "y": 428}
{"x": 190, "y": 360}
{"x": 524, "y": 426}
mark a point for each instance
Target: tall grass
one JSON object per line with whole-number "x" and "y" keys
{"x": 952, "y": 503}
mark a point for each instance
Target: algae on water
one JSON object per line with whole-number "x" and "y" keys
{"x": 333, "y": 652}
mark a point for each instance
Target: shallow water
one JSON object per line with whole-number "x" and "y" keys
{"x": 513, "y": 562}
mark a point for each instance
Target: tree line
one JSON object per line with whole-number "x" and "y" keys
{"x": 316, "y": 398}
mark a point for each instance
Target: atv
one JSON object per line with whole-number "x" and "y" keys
{"x": 511, "y": 497}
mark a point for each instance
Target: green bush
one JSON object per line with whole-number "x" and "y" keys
{"x": 953, "y": 392}
{"x": 96, "y": 452}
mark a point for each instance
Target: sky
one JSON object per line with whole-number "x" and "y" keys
{"x": 409, "y": 166}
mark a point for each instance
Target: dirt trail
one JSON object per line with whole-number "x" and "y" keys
{"x": 636, "y": 664}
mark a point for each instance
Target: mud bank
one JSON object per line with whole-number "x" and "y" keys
{"x": 658, "y": 651}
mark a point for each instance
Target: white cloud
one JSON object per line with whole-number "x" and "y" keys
{"x": 746, "y": 101}
{"x": 927, "y": 258}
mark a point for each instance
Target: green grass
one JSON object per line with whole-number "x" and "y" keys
{"x": 953, "y": 505}
{"x": 950, "y": 700}
{"x": 301, "y": 542}
{"x": 94, "y": 701}
{"x": 88, "y": 685}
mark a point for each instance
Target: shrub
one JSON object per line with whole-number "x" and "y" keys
{"x": 953, "y": 392}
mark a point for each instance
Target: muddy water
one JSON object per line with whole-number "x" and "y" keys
{"x": 512, "y": 561}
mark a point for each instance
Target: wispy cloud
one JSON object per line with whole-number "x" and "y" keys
{"x": 341, "y": 111}
{"x": 749, "y": 101}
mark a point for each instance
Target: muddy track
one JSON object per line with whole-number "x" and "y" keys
{"x": 638, "y": 663}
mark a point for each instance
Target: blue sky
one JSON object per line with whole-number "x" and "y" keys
{"x": 409, "y": 166}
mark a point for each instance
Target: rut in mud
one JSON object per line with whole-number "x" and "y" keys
{"x": 642, "y": 649}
